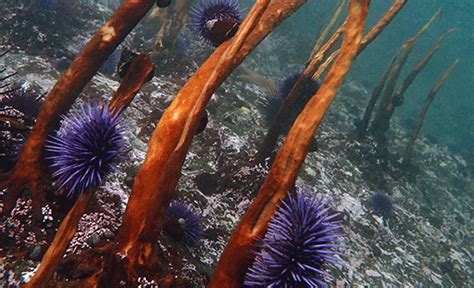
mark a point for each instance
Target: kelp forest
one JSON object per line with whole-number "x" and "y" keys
{"x": 225, "y": 143}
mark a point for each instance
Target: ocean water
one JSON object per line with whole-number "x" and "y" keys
{"x": 415, "y": 232}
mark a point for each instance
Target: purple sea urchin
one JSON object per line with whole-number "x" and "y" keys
{"x": 216, "y": 21}
{"x": 86, "y": 148}
{"x": 300, "y": 240}
{"x": 309, "y": 89}
{"x": 382, "y": 204}
{"x": 183, "y": 224}
{"x": 271, "y": 103}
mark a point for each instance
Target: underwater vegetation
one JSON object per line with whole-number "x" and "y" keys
{"x": 86, "y": 148}
{"x": 216, "y": 21}
{"x": 382, "y": 204}
{"x": 301, "y": 239}
{"x": 271, "y": 103}
{"x": 182, "y": 223}
{"x": 301, "y": 245}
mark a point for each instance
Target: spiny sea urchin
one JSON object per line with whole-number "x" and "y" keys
{"x": 216, "y": 21}
{"x": 382, "y": 204}
{"x": 300, "y": 240}
{"x": 271, "y": 104}
{"x": 285, "y": 86}
{"x": 183, "y": 224}
{"x": 86, "y": 148}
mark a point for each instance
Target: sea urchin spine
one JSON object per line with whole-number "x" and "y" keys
{"x": 86, "y": 148}
{"x": 300, "y": 240}
{"x": 216, "y": 21}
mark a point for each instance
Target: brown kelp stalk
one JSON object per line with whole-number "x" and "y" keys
{"x": 362, "y": 125}
{"x": 140, "y": 71}
{"x": 273, "y": 133}
{"x": 61, "y": 241}
{"x": 361, "y": 129}
{"x": 396, "y": 6}
{"x": 156, "y": 180}
{"x": 400, "y": 92}
{"x": 328, "y": 28}
{"x": 381, "y": 122}
{"x": 383, "y": 22}
{"x": 237, "y": 256}
{"x": 426, "y": 105}
{"x": 271, "y": 137}
{"x": 28, "y": 172}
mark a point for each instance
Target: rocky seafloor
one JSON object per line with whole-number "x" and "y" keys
{"x": 427, "y": 242}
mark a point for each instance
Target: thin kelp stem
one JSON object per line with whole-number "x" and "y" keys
{"x": 273, "y": 133}
{"x": 28, "y": 171}
{"x": 270, "y": 139}
{"x": 382, "y": 118}
{"x": 237, "y": 256}
{"x": 398, "y": 96}
{"x": 426, "y": 106}
{"x": 140, "y": 70}
{"x": 383, "y": 22}
{"x": 362, "y": 125}
{"x": 328, "y": 28}
{"x": 61, "y": 241}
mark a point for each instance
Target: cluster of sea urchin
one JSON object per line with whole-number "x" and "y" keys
{"x": 86, "y": 148}
{"x": 382, "y": 204}
{"x": 216, "y": 21}
{"x": 183, "y": 224}
{"x": 301, "y": 239}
